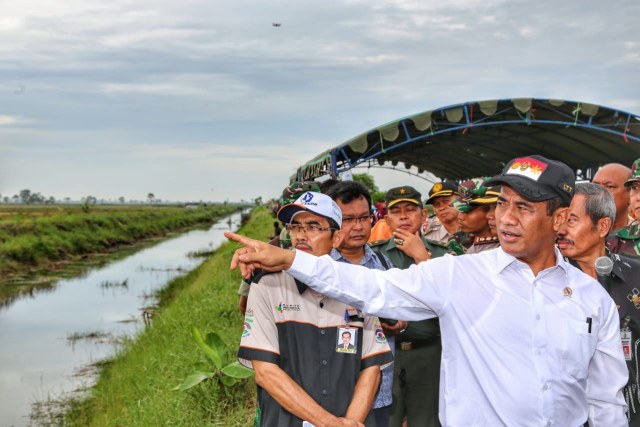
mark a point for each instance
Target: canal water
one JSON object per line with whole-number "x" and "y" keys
{"x": 49, "y": 341}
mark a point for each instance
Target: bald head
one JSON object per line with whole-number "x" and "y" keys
{"x": 612, "y": 176}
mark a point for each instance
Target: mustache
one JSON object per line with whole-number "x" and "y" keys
{"x": 564, "y": 239}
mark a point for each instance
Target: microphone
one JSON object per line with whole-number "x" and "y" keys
{"x": 604, "y": 266}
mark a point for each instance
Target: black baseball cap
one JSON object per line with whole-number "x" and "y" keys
{"x": 444, "y": 188}
{"x": 537, "y": 178}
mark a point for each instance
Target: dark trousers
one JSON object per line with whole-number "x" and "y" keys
{"x": 416, "y": 386}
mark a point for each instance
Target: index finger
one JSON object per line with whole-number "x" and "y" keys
{"x": 243, "y": 240}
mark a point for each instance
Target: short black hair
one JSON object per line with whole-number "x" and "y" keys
{"x": 348, "y": 191}
{"x": 325, "y": 186}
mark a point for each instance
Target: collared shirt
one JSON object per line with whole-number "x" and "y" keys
{"x": 370, "y": 260}
{"x": 437, "y": 232}
{"x": 518, "y": 349}
{"x": 401, "y": 260}
{"x": 298, "y": 329}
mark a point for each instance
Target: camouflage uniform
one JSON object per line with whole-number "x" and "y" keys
{"x": 473, "y": 193}
{"x": 626, "y": 240}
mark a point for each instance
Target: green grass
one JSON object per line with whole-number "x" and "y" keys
{"x": 37, "y": 237}
{"x": 135, "y": 388}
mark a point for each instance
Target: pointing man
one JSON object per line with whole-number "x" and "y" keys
{"x": 528, "y": 339}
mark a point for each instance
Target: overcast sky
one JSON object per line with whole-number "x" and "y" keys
{"x": 207, "y": 100}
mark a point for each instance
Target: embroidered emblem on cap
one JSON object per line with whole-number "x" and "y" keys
{"x": 402, "y": 190}
{"x": 527, "y": 167}
{"x": 436, "y": 187}
{"x": 307, "y": 197}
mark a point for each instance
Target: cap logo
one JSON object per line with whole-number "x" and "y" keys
{"x": 567, "y": 188}
{"x": 437, "y": 187}
{"x": 402, "y": 191}
{"x": 307, "y": 197}
{"x": 527, "y": 167}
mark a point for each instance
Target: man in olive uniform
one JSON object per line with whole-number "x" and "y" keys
{"x": 626, "y": 240}
{"x": 582, "y": 240}
{"x": 418, "y": 348}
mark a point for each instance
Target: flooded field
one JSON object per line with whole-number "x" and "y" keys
{"x": 52, "y": 340}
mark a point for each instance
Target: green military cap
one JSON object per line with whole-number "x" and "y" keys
{"x": 473, "y": 193}
{"x": 635, "y": 174}
{"x": 296, "y": 188}
{"x": 403, "y": 194}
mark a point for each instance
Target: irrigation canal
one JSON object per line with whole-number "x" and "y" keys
{"x": 49, "y": 341}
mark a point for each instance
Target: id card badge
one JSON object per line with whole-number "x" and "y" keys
{"x": 625, "y": 335}
{"x": 347, "y": 340}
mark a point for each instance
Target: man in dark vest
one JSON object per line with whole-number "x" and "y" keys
{"x": 582, "y": 239}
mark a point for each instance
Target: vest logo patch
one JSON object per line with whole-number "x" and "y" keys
{"x": 282, "y": 307}
{"x": 381, "y": 338}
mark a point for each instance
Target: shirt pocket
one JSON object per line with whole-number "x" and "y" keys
{"x": 579, "y": 345}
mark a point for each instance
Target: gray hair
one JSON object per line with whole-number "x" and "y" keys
{"x": 598, "y": 202}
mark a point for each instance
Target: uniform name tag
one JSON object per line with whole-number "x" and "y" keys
{"x": 625, "y": 335}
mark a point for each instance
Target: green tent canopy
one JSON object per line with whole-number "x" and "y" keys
{"x": 478, "y": 138}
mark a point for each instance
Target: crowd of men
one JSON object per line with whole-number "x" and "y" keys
{"x": 517, "y": 303}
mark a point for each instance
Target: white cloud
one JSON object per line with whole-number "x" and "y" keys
{"x": 204, "y": 86}
{"x": 6, "y": 120}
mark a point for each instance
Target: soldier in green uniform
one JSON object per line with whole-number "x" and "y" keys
{"x": 626, "y": 240}
{"x": 418, "y": 348}
{"x": 476, "y": 205}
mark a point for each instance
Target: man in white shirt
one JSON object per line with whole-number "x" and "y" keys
{"x": 528, "y": 340}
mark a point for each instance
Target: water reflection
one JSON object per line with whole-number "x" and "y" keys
{"x": 51, "y": 337}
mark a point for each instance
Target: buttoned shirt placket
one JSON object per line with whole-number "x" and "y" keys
{"x": 325, "y": 348}
{"x": 540, "y": 343}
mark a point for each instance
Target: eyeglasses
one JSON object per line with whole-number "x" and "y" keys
{"x": 308, "y": 228}
{"x": 356, "y": 219}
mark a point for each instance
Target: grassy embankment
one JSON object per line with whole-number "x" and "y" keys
{"x": 37, "y": 238}
{"x": 135, "y": 388}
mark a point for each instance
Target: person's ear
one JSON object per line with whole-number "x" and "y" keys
{"x": 560, "y": 217}
{"x": 338, "y": 238}
{"x": 603, "y": 226}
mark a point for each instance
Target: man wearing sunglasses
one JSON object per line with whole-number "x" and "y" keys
{"x": 292, "y": 336}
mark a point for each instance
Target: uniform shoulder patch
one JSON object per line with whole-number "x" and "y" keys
{"x": 378, "y": 242}
{"x": 630, "y": 232}
{"x": 437, "y": 243}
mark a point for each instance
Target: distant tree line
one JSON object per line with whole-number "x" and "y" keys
{"x": 29, "y": 197}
